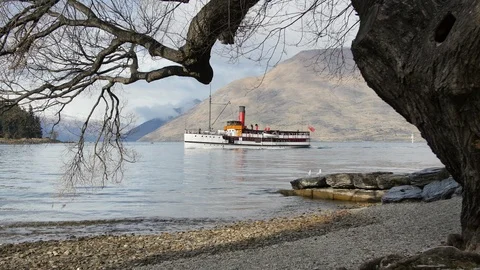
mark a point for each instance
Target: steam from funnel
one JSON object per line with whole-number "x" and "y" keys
{"x": 241, "y": 115}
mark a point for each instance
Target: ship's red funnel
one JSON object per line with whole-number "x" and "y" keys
{"x": 241, "y": 115}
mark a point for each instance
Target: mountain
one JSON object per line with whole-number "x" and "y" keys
{"x": 143, "y": 129}
{"x": 147, "y": 127}
{"x": 316, "y": 88}
{"x": 68, "y": 130}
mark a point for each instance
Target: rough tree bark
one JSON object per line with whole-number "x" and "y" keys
{"x": 423, "y": 58}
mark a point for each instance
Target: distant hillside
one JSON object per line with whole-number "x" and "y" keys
{"x": 144, "y": 128}
{"x": 296, "y": 94}
{"x": 68, "y": 130}
{"x": 147, "y": 127}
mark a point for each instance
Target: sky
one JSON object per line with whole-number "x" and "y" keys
{"x": 150, "y": 100}
{"x": 157, "y": 99}
{"x": 146, "y": 101}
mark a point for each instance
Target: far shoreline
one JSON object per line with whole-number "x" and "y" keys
{"x": 29, "y": 141}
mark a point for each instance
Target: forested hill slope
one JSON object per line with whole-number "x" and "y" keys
{"x": 298, "y": 92}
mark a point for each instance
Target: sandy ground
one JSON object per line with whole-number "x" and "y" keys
{"x": 325, "y": 240}
{"x": 404, "y": 229}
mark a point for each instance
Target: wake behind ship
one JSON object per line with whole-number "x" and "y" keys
{"x": 236, "y": 135}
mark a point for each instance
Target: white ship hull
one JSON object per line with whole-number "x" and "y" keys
{"x": 196, "y": 140}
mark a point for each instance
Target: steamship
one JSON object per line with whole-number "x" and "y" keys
{"x": 235, "y": 134}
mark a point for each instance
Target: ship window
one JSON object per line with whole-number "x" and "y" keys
{"x": 233, "y": 123}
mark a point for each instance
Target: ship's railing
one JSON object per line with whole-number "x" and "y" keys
{"x": 257, "y": 133}
{"x": 192, "y": 131}
{"x": 277, "y": 133}
{"x": 199, "y": 131}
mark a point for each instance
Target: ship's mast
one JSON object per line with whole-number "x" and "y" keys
{"x": 210, "y": 110}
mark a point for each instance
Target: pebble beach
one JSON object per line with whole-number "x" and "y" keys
{"x": 318, "y": 240}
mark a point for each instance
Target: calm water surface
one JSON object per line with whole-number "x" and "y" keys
{"x": 170, "y": 184}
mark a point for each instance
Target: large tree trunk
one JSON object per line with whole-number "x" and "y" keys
{"x": 423, "y": 58}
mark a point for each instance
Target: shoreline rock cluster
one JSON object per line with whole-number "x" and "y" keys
{"x": 427, "y": 185}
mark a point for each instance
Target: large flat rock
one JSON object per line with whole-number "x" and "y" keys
{"x": 352, "y": 195}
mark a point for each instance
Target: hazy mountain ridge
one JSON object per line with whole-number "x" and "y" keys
{"x": 294, "y": 95}
{"x": 69, "y": 130}
{"x": 151, "y": 125}
{"x": 145, "y": 128}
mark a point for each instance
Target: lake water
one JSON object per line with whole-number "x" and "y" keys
{"x": 176, "y": 188}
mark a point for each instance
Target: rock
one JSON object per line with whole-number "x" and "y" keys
{"x": 400, "y": 193}
{"x": 423, "y": 177}
{"x": 341, "y": 180}
{"x": 374, "y": 180}
{"x": 297, "y": 192}
{"x": 387, "y": 181}
{"x": 455, "y": 240}
{"x": 435, "y": 258}
{"x": 352, "y": 195}
{"x": 439, "y": 190}
{"x": 368, "y": 180}
{"x": 458, "y": 191}
{"x": 380, "y": 262}
{"x": 310, "y": 182}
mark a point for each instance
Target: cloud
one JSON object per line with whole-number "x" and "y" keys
{"x": 157, "y": 111}
{"x": 157, "y": 99}
{"x": 164, "y": 111}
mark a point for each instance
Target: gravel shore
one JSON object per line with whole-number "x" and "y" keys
{"x": 324, "y": 240}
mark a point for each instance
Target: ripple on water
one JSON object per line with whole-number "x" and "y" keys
{"x": 181, "y": 185}
{"x": 14, "y": 187}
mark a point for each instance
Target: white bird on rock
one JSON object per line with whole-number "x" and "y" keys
{"x": 319, "y": 171}
{"x": 309, "y": 172}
